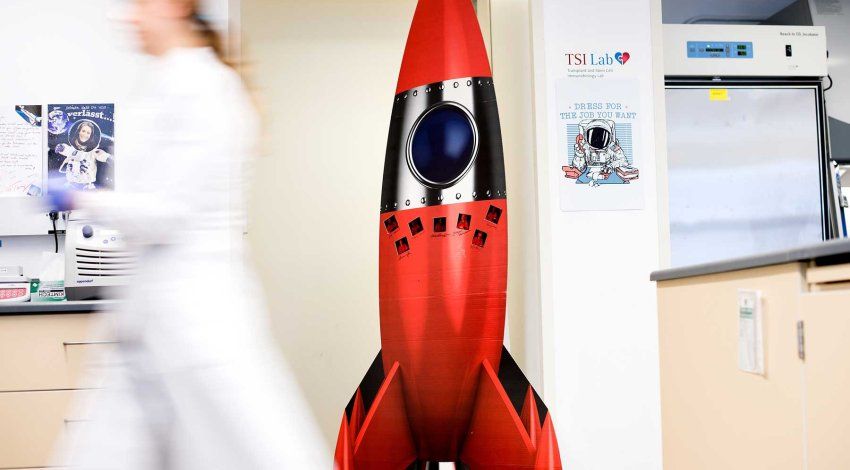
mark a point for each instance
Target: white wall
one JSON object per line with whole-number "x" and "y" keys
{"x": 512, "y": 71}
{"x": 57, "y": 52}
{"x": 325, "y": 74}
{"x": 599, "y": 307}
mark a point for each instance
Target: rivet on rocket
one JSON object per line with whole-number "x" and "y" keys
{"x": 443, "y": 388}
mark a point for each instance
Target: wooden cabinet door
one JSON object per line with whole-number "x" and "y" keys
{"x": 714, "y": 416}
{"x": 32, "y": 424}
{"x": 49, "y": 352}
{"x": 826, "y": 320}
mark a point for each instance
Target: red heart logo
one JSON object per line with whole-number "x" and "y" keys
{"x": 624, "y": 58}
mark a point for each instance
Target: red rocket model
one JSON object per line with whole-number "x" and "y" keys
{"x": 443, "y": 388}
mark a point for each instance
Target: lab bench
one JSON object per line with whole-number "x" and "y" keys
{"x": 794, "y": 415}
{"x": 47, "y": 354}
{"x": 78, "y": 306}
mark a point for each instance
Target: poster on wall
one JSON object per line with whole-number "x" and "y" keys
{"x": 81, "y": 145}
{"x": 21, "y": 151}
{"x": 598, "y": 141}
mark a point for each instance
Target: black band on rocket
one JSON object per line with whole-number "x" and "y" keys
{"x": 444, "y": 146}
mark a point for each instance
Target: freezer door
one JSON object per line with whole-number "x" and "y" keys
{"x": 744, "y": 171}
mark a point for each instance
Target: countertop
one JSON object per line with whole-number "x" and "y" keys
{"x": 828, "y": 252}
{"x": 82, "y": 306}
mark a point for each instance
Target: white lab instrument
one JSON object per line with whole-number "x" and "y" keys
{"x": 96, "y": 259}
{"x": 14, "y": 286}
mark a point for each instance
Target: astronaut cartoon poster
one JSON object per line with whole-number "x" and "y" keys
{"x": 81, "y": 145}
{"x": 598, "y": 129}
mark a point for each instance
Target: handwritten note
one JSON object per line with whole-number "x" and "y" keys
{"x": 21, "y": 151}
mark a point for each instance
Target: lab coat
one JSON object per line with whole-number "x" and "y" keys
{"x": 197, "y": 382}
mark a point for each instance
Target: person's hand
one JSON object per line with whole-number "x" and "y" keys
{"x": 60, "y": 197}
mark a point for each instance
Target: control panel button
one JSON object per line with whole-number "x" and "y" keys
{"x": 88, "y": 231}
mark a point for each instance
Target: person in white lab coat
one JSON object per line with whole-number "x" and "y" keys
{"x": 201, "y": 384}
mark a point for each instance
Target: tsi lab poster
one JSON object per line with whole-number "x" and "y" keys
{"x": 599, "y": 120}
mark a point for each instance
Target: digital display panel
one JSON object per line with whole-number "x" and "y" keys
{"x": 720, "y": 50}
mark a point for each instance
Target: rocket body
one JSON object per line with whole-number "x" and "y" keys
{"x": 443, "y": 253}
{"x": 438, "y": 384}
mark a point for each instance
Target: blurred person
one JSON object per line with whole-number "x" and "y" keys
{"x": 199, "y": 382}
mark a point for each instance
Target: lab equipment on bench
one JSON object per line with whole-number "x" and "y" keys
{"x": 97, "y": 260}
{"x": 14, "y": 286}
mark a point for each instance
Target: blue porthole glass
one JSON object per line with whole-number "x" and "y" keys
{"x": 443, "y": 145}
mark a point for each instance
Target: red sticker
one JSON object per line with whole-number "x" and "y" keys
{"x": 402, "y": 246}
{"x": 391, "y": 224}
{"x": 416, "y": 226}
{"x": 479, "y": 239}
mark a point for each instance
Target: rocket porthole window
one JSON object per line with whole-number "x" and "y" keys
{"x": 442, "y": 145}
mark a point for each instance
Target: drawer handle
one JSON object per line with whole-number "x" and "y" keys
{"x": 83, "y": 343}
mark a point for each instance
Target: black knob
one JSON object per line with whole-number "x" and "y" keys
{"x": 87, "y": 231}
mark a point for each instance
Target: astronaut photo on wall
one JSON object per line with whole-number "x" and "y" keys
{"x": 597, "y": 157}
{"x": 81, "y": 145}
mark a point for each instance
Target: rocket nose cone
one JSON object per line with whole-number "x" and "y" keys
{"x": 444, "y": 42}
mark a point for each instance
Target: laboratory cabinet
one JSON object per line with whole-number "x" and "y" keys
{"x": 49, "y": 364}
{"x": 792, "y": 414}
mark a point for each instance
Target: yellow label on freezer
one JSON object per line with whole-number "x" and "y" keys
{"x": 718, "y": 94}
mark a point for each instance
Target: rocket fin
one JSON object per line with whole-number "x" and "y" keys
{"x": 375, "y": 432}
{"x": 506, "y": 432}
{"x": 529, "y": 416}
{"x": 343, "y": 458}
{"x": 548, "y": 456}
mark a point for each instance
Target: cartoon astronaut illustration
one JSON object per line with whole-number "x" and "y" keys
{"x": 80, "y": 166}
{"x": 598, "y": 157}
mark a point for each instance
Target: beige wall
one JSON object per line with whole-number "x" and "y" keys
{"x": 326, "y": 72}
{"x": 512, "y": 69}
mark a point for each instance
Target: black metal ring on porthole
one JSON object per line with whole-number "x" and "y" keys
{"x": 408, "y": 147}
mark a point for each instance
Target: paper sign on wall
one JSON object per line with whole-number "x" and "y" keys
{"x": 21, "y": 150}
{"x": 598, "y": 136}
{"x": 81, "y": 145}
